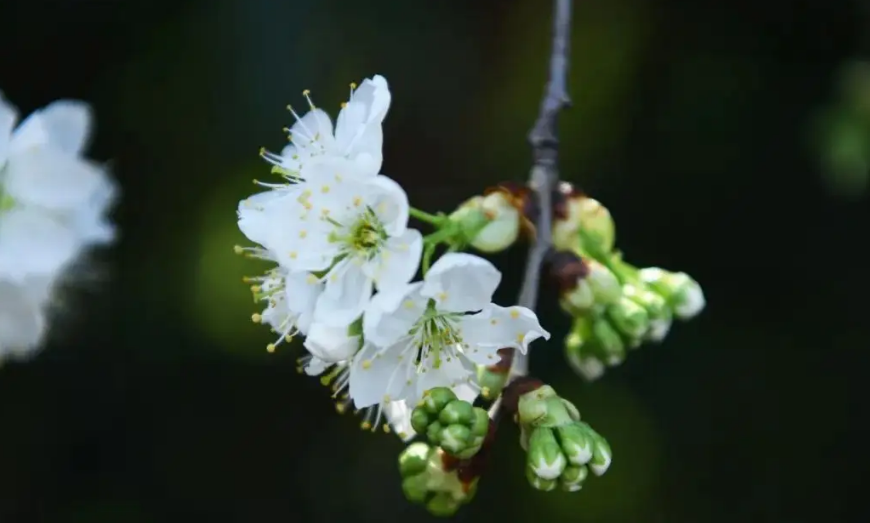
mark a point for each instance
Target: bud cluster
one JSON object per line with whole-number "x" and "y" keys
{"x": 615, "y": 306}
{"x": 561, "y": 449}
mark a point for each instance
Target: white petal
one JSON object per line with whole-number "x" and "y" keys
{"x": 349, "y": 126}
{"x": 64, "y": 125}
{"x": 8, "y": 116}
{"x": 375, "y": 94}
{"x": 499, "y": 327}
{"x": 51, "y": 178}
{"x": 390, "y": 316}
{"x": 390, "y": 203}
{"x": 22, "y": 322}
{"x": 460, "y": 282}
{"x": 398, "y": 414}
{"x": 451, "y": 372}
{"x": 33, "y": 243}
{"x": 397, "y": 263}
{"x": 298, "y": 239}
{"x": 348, "y": 291}
{"x": 380, "y": 376}
{"x": 316, "y": 366}
{"x": 331, "y": 344}
{"x": 90, "y": 221}
{"x": 301, "y": 292}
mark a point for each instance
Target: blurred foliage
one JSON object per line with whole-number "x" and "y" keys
{"x": 842, "y": 132}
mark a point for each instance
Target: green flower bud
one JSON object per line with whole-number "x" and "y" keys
{"x": 450, "y": 423}
{"x": 609, "y": 340}
{"x": 572, "y": 477}
{"x": 443, "y": 505}
{"x": 545, "y": 457}
{"x": 425, "y": 482}
{"x": 601, "y": 455}
{"x": 588, "y": 214}
{"x": 582, "y": 351}
{"x": 629, "y": 318}
{"x": 489, "y": 223}
{"x": 542, "y": 407}
{"x": 683, "y": 293}
{"x": 538, "y": 482}
{"x": 576, "y": 442}
{"x": 660, "y": 314}
{"x": 600, "y": 287}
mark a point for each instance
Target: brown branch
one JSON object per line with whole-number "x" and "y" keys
{"x": 544, "y": 175}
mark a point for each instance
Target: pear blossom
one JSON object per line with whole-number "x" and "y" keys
{"x": 433, "y": 333}
{"x": 53, "y": 205}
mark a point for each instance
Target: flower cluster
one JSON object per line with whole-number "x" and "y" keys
{"x": 345, "y": 260}
{"x": 615, "y": 306}
{"x": 53, "y": 204}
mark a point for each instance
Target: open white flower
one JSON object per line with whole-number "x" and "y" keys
{"x": 433, "y": 333}
{"x": 354, "y": 233}
{"x": 357, "y": 134}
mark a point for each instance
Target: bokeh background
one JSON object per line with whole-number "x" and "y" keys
{"x": 697, "y": 123}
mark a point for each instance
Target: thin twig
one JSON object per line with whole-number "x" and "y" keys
{"x": 545, "y": 173}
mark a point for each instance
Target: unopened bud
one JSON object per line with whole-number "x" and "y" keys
{"x": 660, "y": 314}
{"x": 582, "y": 351}
{"x": 609, "y": 341}
{"x": 629, "y": 318}
{"x": 577, "y": 211}
{"x": 594, "y": 285}
{"x": 489, "y": 223}
{"x": 683, "y": 293}
{"x": 545, "y": 457}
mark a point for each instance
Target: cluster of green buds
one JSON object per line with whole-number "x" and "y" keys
{"x": 442, "y": 474}
{"x": 615, "y": 306}
{"x": 561, "y": 449}
{"x": 450, "y": 423}
{"x": 431, "y": 478}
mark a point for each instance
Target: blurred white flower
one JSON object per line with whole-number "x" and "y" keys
{"x": 434, "y": 332}
{"x": 53, "y": 205}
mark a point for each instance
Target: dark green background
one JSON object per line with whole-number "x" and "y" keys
{"x": 155, "y": 401}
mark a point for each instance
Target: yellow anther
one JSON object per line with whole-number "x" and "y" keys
{"x": 256, "y": 318}
{"x": 353, "y": 85}
{"x": 515, "y": 313}
{"x": 367, "y": 364}
{"x": 270, "y": 348}
{"x": 306, "y": 92}
{"x": 238, "y": 249}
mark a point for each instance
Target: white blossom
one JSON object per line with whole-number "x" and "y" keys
{"x": 357, "y": 135}
{"x": 53, "y": 205}
{"x": 353, "y": 233}
{"x": 434, "y": 332}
